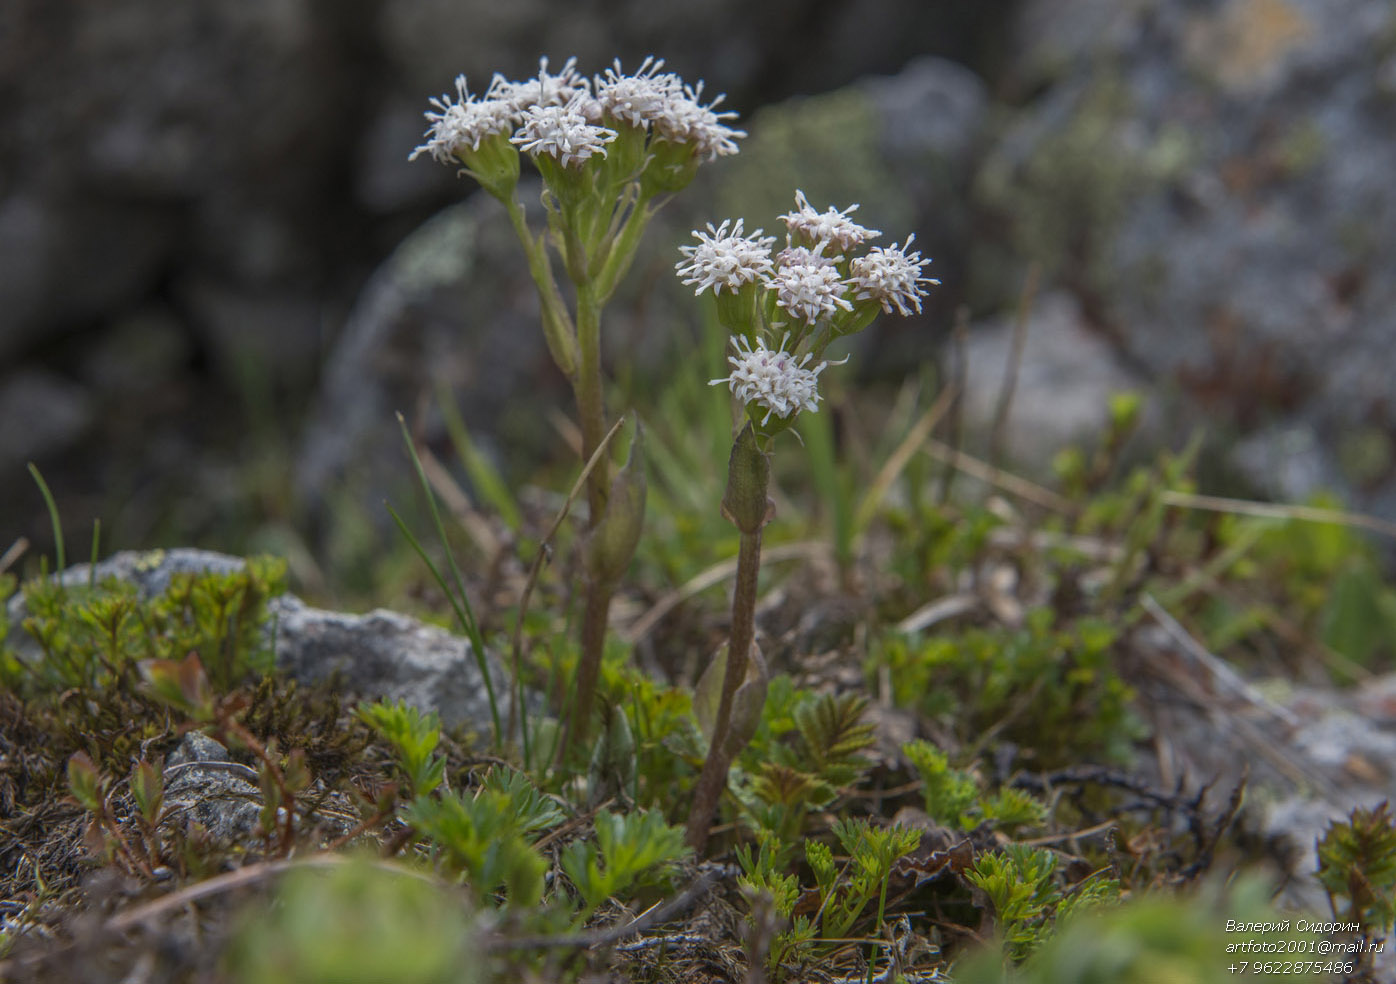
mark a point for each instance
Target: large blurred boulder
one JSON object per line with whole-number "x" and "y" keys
{"x": 1062, "y": 381}
{"x": 1213, "y": 180}
{"x": 141, "y": 138}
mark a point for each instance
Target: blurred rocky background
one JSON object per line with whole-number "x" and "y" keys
{"x": 220, "y": 275}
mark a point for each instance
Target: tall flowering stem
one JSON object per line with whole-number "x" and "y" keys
{"x": 610, "y": 150}
{"x": 747, "y": 506}
{"x": 782, "y": 311}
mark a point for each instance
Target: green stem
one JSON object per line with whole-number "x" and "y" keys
{"x": 592, "y": 412}
{"x": 713, "y": 779}
{"x": 622, "y": 252}
{"x": 594, "y": 618}
{"x": 557, "y": 324}
{"x": 590, "y": 400}
{"x": 881, "y": 914}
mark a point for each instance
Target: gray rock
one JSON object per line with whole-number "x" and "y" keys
{"x": 204, "y": 785}
{"x": 385, "y": 654}
{"x": 381, "y": 654}
{"x": 451, "y": 310}
{"x": 40, "y": 414}
{"x": 1214, "y": 181}
{"x": 1309, "y": 755}
{"x": 1065, "y": 379}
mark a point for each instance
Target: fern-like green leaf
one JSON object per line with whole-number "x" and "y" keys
{"x": 833, "y": 733}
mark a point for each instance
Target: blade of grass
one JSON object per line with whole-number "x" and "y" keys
{"x": 462, "y": 616}
{"x": 53, "y": 518}
{"x": 489, "y": 484}
{"x": 1030, "y": 491}
{"x": 461, "y": 603}
{"x": 96, "y": 543}
{"x": 1015, "y": 362}
{"x": 831, "y": 480}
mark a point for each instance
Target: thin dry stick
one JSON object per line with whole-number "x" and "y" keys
{"x": 716, "y": 574}
{"x": 997, "y": 477}
{"x": 13, "y": 554}
{"x": 898, "y": 459}
{"x": 1099, "y": 828}
{"x": 249, "y": 875}
{"x": 1222, "y": 675}
{"x": 938, "y": 611}
{"x": 604, "y": 937}
{"x": 1015, "y": 362}
{"x": 1269, "y": 510}
{"x": 957, "y": 409}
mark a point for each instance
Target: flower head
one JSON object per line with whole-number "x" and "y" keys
{"x": 891, "y": 275}
{"x": 808, "y": 285}
{"x": 796, "y": 255}
{"x": 461, "y": 123}
{"x": 832, "y": 226}
{"x": 686, "y": 120}
{"x": 639, "y": 99}
{"x": 726, "y": 258}
{"x": 562, "y": 132}
{"x": 542, "y": 90}
{"x": 774, "y": 379}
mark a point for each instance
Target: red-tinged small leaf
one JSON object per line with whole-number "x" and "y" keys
{"x": 85, "y": 782}
{"x": 295, "y": 773}
{"x": 95, "y": 840}
{"x": 148, "y": 789}
{"x": 181, "y": 684}
{"x": 193, "y": 684}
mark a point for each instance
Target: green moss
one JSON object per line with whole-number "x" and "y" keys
{"x": 91, "y": 637}
{"x": 1052, "y": 689}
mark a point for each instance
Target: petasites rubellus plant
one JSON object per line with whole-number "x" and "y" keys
{"x": 611, "y": 150}
{"x": 782, "y": 311}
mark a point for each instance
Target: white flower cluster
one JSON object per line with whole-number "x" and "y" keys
{"x": 833, "y": 226}
{"x": 726, "y": 259}
{"x": 772, "y": 378}
{"x": 891, "y": 275}
{"x": 808, "y": 284}
{"x": 813, "y": 279}
{"x": 562, "y": 132}
{"x": 566, "y": 115}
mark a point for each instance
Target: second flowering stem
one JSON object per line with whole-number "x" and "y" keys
{"x": 747, "y": 506}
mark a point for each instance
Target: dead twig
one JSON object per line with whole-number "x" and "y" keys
{"x": 653, "y": 916}
{"x": 1015, "y": 362}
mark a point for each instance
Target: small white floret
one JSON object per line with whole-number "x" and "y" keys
{"x": 562, "y": 132}
{"x": 726, "y": 258}
{"x": 772, "y": 378}
{"x": 892, "y": 276}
